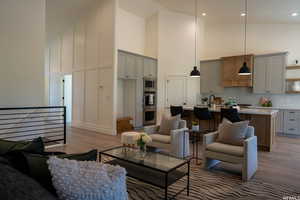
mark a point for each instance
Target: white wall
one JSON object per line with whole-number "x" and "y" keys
{"x": 131, "y": 32}
{"x": 22, "y": 37}
{"x": 151, "y": 41}
{"x": 87, "y": 51}
{"x": 227, "y": 40}
{"x": 176, "y": 40}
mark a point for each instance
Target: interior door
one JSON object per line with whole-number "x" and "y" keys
{"x": 175, "y": 91}
{"x": 56, "y": 89}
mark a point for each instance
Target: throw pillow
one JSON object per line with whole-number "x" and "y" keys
{"x": 17, "y": 186}
{"x": 169, "y": 123}
{"x": 232, "y": 133}
{"x": 87, "y": 180}
{"x": 38, "y": 167}
{"x": 34, "y": 146}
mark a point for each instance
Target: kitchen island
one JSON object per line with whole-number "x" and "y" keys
{"x": 263, "y": 120}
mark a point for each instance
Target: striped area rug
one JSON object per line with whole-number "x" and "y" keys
{"x": 213, "y": 185}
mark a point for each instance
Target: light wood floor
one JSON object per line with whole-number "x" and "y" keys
{"x": 282, "y": 166}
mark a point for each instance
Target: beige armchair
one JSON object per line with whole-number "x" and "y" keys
{"x": 214, "y": 152}
{"x": 177, "y": 143}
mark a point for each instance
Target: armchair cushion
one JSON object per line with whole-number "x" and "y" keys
{"x": 232, "y": 133}
{"x": 168, "y": 123}
{"x": 226, "y": 149}
{"x": 166, "y": 139}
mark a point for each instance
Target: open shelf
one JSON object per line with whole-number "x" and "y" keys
{"x": 293, "y": 67}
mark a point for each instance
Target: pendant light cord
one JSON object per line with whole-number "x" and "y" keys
{"x": 245, "y": 37}
{"x": 196, "y": 28}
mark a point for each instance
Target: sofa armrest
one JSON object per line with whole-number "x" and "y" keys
{"x": 151, "y": 129}
{"x": 209, "y": 138}
{"x": 250, "y": 157}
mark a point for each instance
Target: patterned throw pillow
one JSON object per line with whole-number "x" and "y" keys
{"x": 87, "y": 180}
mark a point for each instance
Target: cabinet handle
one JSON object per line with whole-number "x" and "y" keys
{"x": 292, "y": 112}
{"x": 292, "y": 120}
{"x": 291, "y": 129}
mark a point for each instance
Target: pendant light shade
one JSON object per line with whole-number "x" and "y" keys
{"x": 245, "y": 70}
{"x": 195, "y": 72}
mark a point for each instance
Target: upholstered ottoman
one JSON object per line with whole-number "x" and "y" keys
{"x": 129, "y": 138}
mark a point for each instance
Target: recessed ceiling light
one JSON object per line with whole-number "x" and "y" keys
{"x": 243, "y": 14}
{"x": 294, "y": 14}
{"x": 203, "y": 14}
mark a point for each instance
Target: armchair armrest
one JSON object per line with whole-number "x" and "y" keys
{"x": 180, "y": 142}
{"x": 209, "y": 138}
{"x": 151, "y": 129}
{"x": 250, "y": 157}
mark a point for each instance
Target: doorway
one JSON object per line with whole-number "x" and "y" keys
{"x": 67, "y": 96}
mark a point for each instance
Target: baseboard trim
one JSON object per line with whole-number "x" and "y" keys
{"x": 93, "y": 127}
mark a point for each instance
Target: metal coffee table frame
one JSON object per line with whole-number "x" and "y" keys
{"x": 141, "y": 172}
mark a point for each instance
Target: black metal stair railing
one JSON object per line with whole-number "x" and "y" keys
{"x": 28, "y": 123}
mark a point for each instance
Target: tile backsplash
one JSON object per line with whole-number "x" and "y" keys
{"x": 245, "y": 96}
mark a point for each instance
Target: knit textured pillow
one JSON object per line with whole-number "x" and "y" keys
{"x": 87, "y": 180}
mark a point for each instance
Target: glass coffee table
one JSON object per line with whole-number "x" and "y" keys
{"x": 156, "y": 169}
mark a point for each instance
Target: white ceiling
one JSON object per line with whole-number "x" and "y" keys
{"x": 222, "y": 11}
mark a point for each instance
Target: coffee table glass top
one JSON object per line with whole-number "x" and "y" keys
{"x": 153, "y": 160}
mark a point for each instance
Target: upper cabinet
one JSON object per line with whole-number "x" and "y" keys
{"x": 133, "y": 66}
{"x": 230, "y": 71}
{"x": 269, "y": 73}
{"x": 150, "y": 67}
{"x": 211, "y": 76}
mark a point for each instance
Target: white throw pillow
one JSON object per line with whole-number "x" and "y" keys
{"x": 87, "y": 180}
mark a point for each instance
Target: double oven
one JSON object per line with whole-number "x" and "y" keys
{"x": 150, "y": 101}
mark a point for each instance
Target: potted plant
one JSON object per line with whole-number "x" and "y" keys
{"x": 195, "y": 126}
{"x": 142, "y": 140}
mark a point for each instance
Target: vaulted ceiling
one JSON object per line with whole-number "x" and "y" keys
{"x": 222, "y": 11}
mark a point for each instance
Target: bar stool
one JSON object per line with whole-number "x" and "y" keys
{"x": 231, "y": 114}
{"x": 176, "y": 110}
{"x": 203, "y": 114}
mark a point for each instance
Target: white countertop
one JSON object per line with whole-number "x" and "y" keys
{"x": 286, "y": 107}
{"x": 252, "y": 111}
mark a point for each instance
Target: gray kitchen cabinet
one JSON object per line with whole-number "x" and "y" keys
{"x": 269, "y": 73}
{"x": 121, "y": 65}
{"x": 150, "y": 68}
{"x": 210, "y": 80}
{"x": 291, "y": 122}
{"x": 130, "y": 67}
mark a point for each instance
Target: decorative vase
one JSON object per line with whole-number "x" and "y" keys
{"x": 143, "y": 151}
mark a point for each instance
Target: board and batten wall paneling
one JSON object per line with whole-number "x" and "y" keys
{"x": 79, "y": 45}
{"x": 91, "y": 96}
{"x": 78, "y": 97}
{"x": 106, "y": 99}
{"x": 67, "y": 52}
{"x": 86, "y": 50}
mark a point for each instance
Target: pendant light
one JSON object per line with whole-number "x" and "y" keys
{"x": 196, "y": 72}
{"x": 245, "y": 70}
